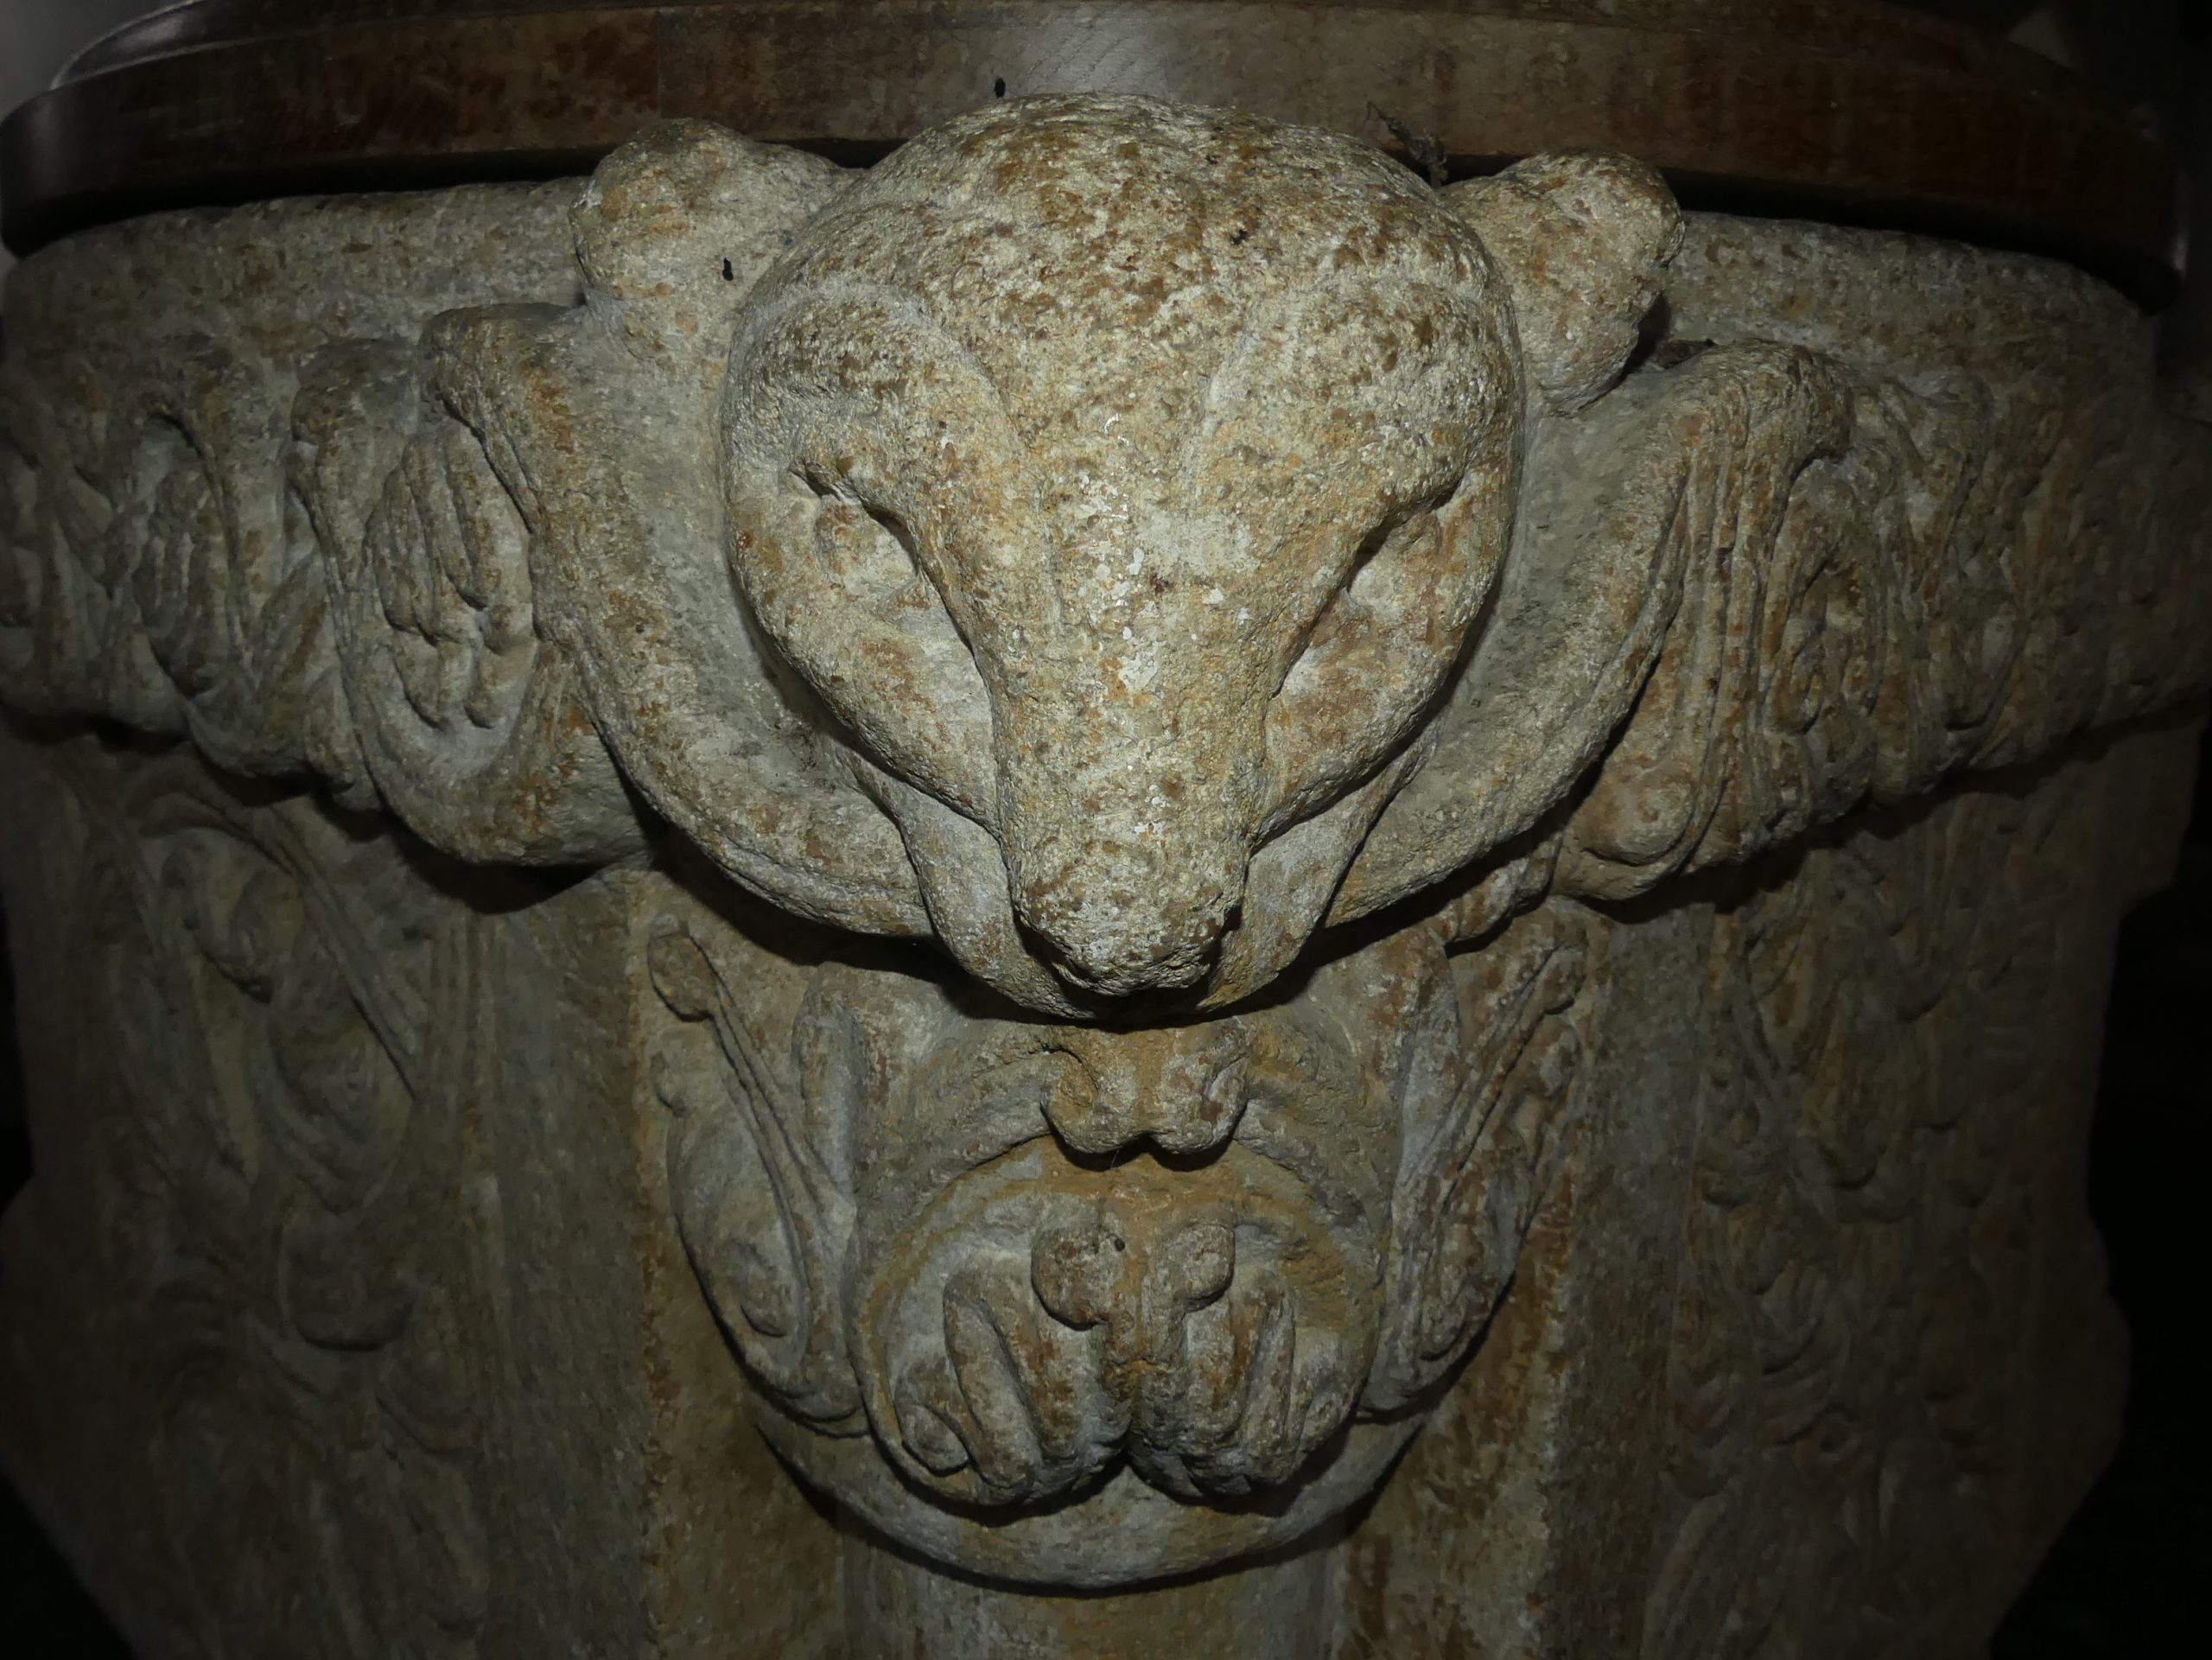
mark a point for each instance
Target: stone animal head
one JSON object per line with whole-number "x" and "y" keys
{"x": 1045, "y": 1291}
{"x": 1125, "y": 481}
{"x": 1099, "y": 535}
{"x": 1126, "y": 478}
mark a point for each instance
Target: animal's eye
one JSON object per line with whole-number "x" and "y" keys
{"x": 869, "y": 549}
{"x": 1394, "y": 550}
{"x": 1381, "y": 647}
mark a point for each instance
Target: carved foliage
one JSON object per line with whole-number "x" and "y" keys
{"x": 156, "y": 570}
{"x": 1116, "y": 540}
{"x": 1858, "y": 1265}
{"x": 305, "y": 1350}
{"x": 1039, "y": 1262}
{"x": 471, "y": 725}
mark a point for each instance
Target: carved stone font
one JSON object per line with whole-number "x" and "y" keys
{"x": 1111, "y": 824}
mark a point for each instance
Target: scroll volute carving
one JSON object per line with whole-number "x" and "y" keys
{"x": 1186, "y": 1276}
{"x": 1006, "y": 1285}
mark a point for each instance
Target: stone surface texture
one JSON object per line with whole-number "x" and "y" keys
{"x": 1127, "y": 883}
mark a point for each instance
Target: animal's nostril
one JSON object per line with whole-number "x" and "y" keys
{"x": 1134, "y": 953}
{"x": 1176, "y": 1115}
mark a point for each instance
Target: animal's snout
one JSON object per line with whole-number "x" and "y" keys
{"x": 1122, "y": 908}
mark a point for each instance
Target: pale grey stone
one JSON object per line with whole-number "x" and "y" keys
{"x": 1111, "y": 824}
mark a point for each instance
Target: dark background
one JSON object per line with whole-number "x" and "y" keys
{"x": 2129, "y": 1576}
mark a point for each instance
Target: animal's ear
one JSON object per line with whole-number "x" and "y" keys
{"x": 674, "y": 228}
{"x": 1580, "y": 239}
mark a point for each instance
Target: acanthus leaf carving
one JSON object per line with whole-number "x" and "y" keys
{"x": 1626, "y": 502}
{"x": 1487, "y": 1153}
{"x": 759, "y": 1213}
{"x": 470, "y": 722}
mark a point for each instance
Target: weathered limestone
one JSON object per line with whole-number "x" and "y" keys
{"x": 1098, "y": 830}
